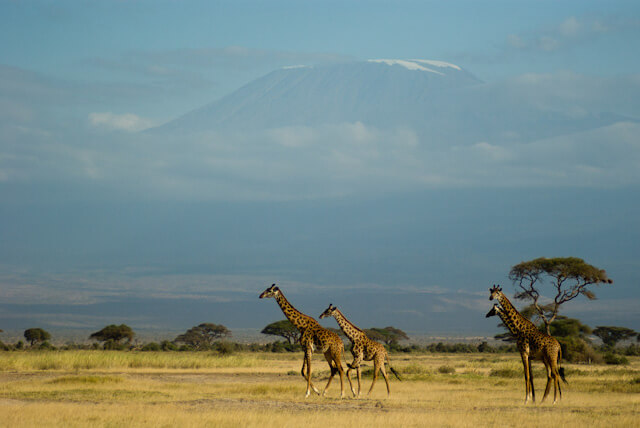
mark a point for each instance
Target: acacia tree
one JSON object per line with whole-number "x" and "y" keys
{"x": 284, "y": 329}
{"x": 568, "y": 276}
{"x": 203, "y": 335}
{"x": 388, "y": 335}
{"x": 612, "y": 335}
{"x": 114, "y": 333}
{"x": 36, "y": 335}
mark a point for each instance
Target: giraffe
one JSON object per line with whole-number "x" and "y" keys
{"x": 532, "y": 344}
{"x": 314, "y": 336}
{"x": 362, "y": 348}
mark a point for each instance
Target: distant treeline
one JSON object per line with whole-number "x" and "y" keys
{"x": 225, "y": 347}
{"x": 573, "y": 336}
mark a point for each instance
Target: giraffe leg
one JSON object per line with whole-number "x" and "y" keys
{"x": 306, "y": 364}
{"x": 527, "y": 376}
{"x": 304, "y": 375}
{"x": 348, "y": 372}
{"x": 557, "y": 392}
{"x": 547, "y": 388}
{"x": 386, "y": 377}
{"x": 376, "y": 368}
{"x": 533, "y": 391}
{"x": 334, "y": 370}
{"x": 355, "y": 364}
{"x": 338, "y": 360}
{"x": 353, "y": 391}
{"x": 556, "y": 384}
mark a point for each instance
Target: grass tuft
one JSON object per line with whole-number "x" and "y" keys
{"x": 505, "y": 373}
{"x": 86, "y": 379}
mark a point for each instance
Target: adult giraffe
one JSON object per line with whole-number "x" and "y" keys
{"x": 362, "y": 348}
{"x": 314, "y": 336}
{"x": 532, "y": 344}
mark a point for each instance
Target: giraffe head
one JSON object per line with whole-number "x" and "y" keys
{"x": 329, "y": 311}
{"x": 272, "y": 291}
{"x": 494, "y": 311}
{"x": 494, "y": 292}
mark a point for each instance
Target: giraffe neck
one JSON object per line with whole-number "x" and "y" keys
{"x": 297, "y": 318}
{"x": 513, "y": 319}
{"x": 350, "y": 330}
{"x": 508, "y": 322}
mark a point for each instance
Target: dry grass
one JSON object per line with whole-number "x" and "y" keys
{"x": 78, "y": 388}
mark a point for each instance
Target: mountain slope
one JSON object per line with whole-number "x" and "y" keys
{"x": 441, "y": 103}
{"x": 371, "y": 92}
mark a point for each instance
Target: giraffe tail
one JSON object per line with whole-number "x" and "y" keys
{"x": 561, "y": 372}
{"x": 395, "y": 373}
{"x": 561, "y": 369}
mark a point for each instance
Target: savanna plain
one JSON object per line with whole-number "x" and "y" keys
{"x": 193, "y": 389}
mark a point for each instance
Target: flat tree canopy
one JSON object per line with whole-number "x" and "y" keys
{"x": 203, "y": 335}
{"x": 113, "y": 332}
{"x": 388, "y": 335}
{"x": 569, "y": 277}
{"x": 612, "y": 335}
{"x": 284, "y": 329}
{"x": 36, "y": 335}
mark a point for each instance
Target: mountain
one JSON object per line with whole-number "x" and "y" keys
{"x": 441, "y": 102}
{"x": 308, "y": 96}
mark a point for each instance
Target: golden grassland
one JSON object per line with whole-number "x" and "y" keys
{"x": 170, "y": 389}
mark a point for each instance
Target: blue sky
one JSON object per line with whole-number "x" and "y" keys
{"x": 95, "y": 212}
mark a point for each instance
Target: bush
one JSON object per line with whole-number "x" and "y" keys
{"x": 112, "y": 345}
{"x": 168, "y": 345}
{"x": 613, "y": 359}
{"x": 281, "y": 346}
{"x": 225, "y": 348}
{"x": 508, "y": 373}
{"x": 577, "y": 350}
{"x": 485, "y": 347}
{"x": 446, "y": 370}
{"x": 151, "y": 347}
{"x": 632, "y": 350}
{"x": 46, "y": 346}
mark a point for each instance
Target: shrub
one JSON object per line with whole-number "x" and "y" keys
{"x": 168, "y": 345}
{"x": 46, "y": 346}
{"x": 577, "y": 350}
{"x": 224, "y": 347}
{"x": 112, "y": 345}
{"x": 446, "y": 370}
{"x": 485, "y": 347}
{"x": 613, "y": 359}
{"x": 152, "y": 346}
{"x": 507, "y": 373}
{"x": 632, "y": 350}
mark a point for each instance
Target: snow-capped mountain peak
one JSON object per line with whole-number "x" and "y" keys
{"x": 409, "y": 65}
{"x": 418, "y": 64}
{"x": 435, "y": 63}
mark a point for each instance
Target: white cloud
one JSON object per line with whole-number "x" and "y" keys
{"x": 120, "y": 122}
{"x": 570, "y": 27}
{"x": 568, "y": 33}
